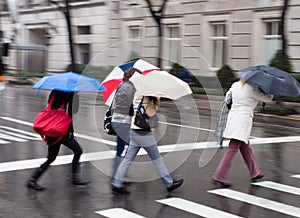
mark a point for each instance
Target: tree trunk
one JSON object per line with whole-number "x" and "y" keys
{"x": 157, "y": 16}
{"x": 69, "y": 25}
{"x": 283, "y": 35}
{"x": 283, "y": 53}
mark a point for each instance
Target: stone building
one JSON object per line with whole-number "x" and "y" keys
{"x": 201, "y": 35}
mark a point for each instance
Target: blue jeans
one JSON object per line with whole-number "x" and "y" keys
{"x": 146, "y": 140}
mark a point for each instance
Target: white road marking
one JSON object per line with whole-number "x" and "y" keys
{"x": 184, "y": 126}
{"x": 14, "y": 134}
{"x": 195, "y": 208}
{"x": 272, "y": 140}
{"x": 252, "y": 141}
{"x": 9, "y": 137}
{"x": 4, "y": 142}
{"x": 60, "y": 160}
{"x": 76, "y": 134}
{"x": 18, "y": 165}
{"x": 258, "y": 201}
{"x": 117, "y": 213}
{"x": 17, "y": 121}
{"x": 278, "y": 187}
{"x": 296, "y": 176}
{"x": 18, "y": 135}
{"x": 37, "y": 136}
{"x": 95, "y": 139}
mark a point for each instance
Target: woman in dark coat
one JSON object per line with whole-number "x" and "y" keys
{"x": 68, "y": 140}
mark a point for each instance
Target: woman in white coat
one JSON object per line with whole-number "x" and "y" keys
{"x": 238, "y": 128}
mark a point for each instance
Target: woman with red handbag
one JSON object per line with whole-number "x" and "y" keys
{"x": 60, "y": 99}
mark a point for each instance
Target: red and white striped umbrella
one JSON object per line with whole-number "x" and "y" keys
{"x": 115, "y": 77}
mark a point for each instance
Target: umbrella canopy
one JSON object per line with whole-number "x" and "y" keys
{"x": 69, "y": 82}
{"x": 159, "y": 84}
{"x": 115, "y": 77}
{"x": 271, "y": 80}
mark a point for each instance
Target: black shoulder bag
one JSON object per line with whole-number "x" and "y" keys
{"x": 142, "y": 120}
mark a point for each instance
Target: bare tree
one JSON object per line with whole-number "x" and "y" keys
{"x": 283, "y": 54}
{"x": 281, "y": 60}
{"x": 66, "y": 11}
{"x": 158, "y": 16}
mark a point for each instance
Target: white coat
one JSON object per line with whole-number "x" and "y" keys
{"x": 240, "y": 117}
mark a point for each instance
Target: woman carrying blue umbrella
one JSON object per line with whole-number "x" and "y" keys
{"x": 60, "y": 98}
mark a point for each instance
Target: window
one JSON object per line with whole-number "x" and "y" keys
{"x": 78, "y": 0}
{"x": 135, "y": 42}
{"x": 133, "y": 2}
{"x": 272, "y": 40}
{"x": 84, "y": 52}
{"x": 173, "y": 41}
{"x": 84, "y": 30}
{"x": 219, "y": 44}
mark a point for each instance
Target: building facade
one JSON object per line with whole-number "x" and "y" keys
{"x": 201, "y": 35}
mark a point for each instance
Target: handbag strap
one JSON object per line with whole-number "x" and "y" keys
{"x": 62, "y": 107}
{"x": 51, "y": 101}
{"x": 114, "y": 97}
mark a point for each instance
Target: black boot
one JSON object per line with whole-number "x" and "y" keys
{"x": 76, "y": 180}
{"x": 32, "y": 181}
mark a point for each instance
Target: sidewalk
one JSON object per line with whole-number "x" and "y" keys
{"x": 20, "y": 81}
{"x": 204, "y": 103}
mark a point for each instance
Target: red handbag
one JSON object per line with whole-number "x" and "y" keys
{"x": 52, "y": 122}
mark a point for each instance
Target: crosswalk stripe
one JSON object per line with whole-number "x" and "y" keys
{"x": 118, "y": 212}
{"x": 296, "y": 176}
{"x": 17, "y": 121}
{"x": 258, "y": 201}
{"x": 4, "y": 142}
{"x": 60, "y": 160}
{"x": 278, "y": 187}
{"x": 95, "y": 139}
{"x": 18, "y": 135}
{"x": 9, "y": 137}
{"x": 195, "y": 208}
{"x": 21, "y": 131}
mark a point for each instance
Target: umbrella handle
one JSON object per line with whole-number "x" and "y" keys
{"x": 263, "y": 106}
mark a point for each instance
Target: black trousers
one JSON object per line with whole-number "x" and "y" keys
{"x": 53, "y": 150}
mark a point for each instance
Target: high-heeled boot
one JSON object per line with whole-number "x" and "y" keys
{"x": 76, "y": 178}
{"x": 32, "y": 181}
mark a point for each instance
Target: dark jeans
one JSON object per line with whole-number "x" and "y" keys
{"x": 122, "y": 138}
{"x": 54, "y": 149}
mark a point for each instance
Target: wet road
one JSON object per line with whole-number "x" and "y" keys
{"x": 182, "y": 136}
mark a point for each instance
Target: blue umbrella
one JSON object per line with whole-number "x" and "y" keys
{"x": 271, "y": 80}
{"x": 69, "y": 82}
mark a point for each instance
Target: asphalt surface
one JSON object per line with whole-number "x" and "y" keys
{"x": 185, "y": 127}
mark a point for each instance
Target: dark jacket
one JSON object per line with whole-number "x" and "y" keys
{"x": 71, "y": 102}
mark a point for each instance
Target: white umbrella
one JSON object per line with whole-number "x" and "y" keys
{"x": 159, "y": 84}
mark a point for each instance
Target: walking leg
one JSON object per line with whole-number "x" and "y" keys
{"x": 124, "y": 165}
{"x": 75, "y": 147}
{"x": 122, "y": 139}
{"x": 119, "y": 150}
{"x": 250, "y": 160}
{"x": 32, "y": 181}
{"x": 220, "y": 174}
{"x": 159, "y": 164}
